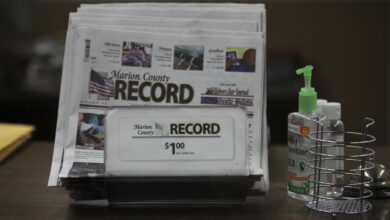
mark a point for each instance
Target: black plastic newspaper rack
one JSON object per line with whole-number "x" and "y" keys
{"x": 152, "y": 191}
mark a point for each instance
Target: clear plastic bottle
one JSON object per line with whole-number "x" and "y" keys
{"x": 320, "y": 104}
{"x": 299, "y": 127}
{"x": 332, "y": 111}
{"x": 320, "y": 113}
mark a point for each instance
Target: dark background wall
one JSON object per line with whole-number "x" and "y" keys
{"x": 348, "y": 44}
{"x": 346, "y": 41}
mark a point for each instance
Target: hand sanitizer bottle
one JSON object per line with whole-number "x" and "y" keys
{"x": 299, "y": 127}
{"x": 332, "y": 111}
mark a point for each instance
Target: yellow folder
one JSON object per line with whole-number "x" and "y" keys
{"x": 12, "y": 136}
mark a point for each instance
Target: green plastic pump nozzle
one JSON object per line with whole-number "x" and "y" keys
{"x": 307, "y": 95}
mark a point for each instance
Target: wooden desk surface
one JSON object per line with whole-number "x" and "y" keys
{"x": 24, "y": 195}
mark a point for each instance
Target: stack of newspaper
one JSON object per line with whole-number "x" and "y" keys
{"x": 136, "y": 59}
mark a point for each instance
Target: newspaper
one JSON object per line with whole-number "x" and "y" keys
{"x": 101, "y": 52}
{"x": 249, "y": 13}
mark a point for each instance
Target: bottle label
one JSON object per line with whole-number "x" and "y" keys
{"x": 298, "y": 169}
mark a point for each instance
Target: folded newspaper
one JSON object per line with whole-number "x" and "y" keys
{"x": 162, "y": 90}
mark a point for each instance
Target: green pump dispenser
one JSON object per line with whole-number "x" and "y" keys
{"x": 307, "y": 95}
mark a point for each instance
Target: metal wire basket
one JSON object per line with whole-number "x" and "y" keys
{"x": 350, "y": 195}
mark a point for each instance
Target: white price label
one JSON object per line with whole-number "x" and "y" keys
{"x": 175, "y": 138}
{"x": 176, "y": 141}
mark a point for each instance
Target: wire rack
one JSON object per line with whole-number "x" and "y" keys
{"x": 351, "y": 195}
